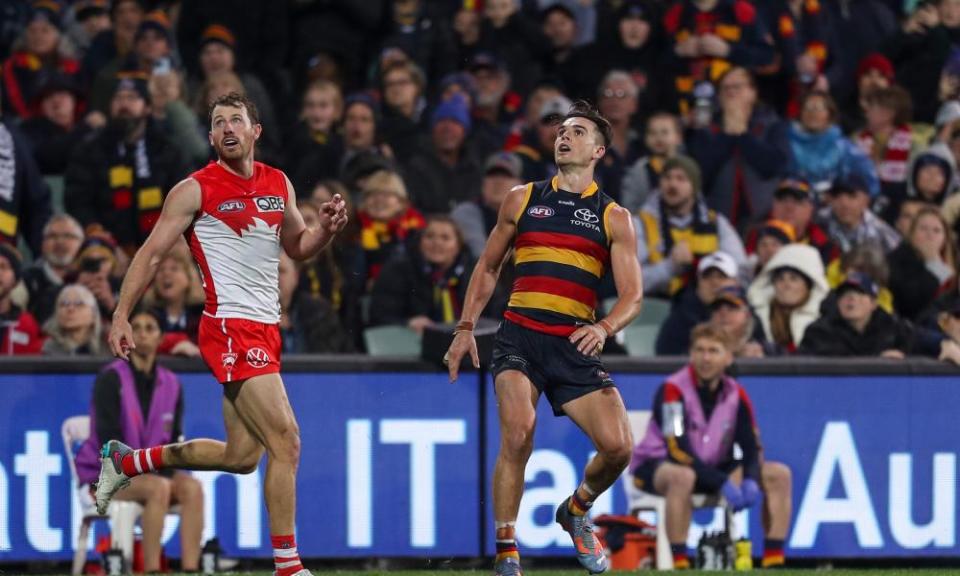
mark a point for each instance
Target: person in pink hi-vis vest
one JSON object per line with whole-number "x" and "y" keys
{"x": 140, "y": 403}
{"x": 699, "y": 415}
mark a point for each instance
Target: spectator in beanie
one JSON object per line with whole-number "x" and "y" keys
{"x": 152, "y": 53}
{"x": 114, "y": 44}
{"x": 449, "y": 172}
{"x": 41, "y": 56}
{"x": 386, "y": 219}
{"x": 118, "y": 177}
{"x": 425, "y": 285}
{"x": 787, "y": 295}
{"x": 476, "y": 218}
{"x": 663, "y": 139}
{"x": 91, "y": 17}
{"x": 218, "y": 53}
{"x": 770, "y": 237}
{"x": 924, "y": 266}
{"x": 874, "y": 72}
{"x": 19, "y": 331}
{"x": 820, "y": 153}
{"x": 54, "y": 132}
{"x": 676, "y": 229}
{"x": 536, "y": 148}
{"x": 62, "y": 238}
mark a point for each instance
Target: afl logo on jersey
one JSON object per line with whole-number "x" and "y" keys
{"x": 257, "y": 357}
{"x": 540, "y": 211}
{"x": 231, "y": 206}
{"x": 586, "y": 215}
{"x": 269, "y": 204}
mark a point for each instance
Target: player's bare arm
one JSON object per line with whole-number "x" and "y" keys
{"x": 483, "y": 281}
{"x": 300, "y": 242}
{"x": 627, "y": 277}
{"x": 179, "y": 209}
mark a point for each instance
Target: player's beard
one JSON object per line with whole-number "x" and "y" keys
{"x": 237, "y": 153}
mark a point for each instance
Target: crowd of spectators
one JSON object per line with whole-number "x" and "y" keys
{"x": 791, "y": 164}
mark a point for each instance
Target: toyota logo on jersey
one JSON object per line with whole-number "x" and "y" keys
{"x": 257, "y": 357}
{"x": 269, "y": 204}
{"x": 586, "y": 216}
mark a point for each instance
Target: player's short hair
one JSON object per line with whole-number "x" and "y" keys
{"x": 235, "y": 100}
{"x": 583, "y": 109}
{"x": 706, "y": 331}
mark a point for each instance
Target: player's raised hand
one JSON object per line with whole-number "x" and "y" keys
{"x": 121, "y": 338}
{"x": 463, "y": 343}
{"x": 333, "y": 214}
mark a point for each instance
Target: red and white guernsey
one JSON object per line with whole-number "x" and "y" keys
{"x": 235, "y": 239}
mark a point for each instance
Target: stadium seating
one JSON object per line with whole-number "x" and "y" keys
{"x": 639, "y": 339}
{"x": 639, "y": 501}
{"x": 391, "y": 341}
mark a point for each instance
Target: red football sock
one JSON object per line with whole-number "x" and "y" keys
{"x": 286, "y": 559}
{"x": 142, "y": 461}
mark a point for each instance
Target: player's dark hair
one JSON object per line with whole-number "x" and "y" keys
{"x": 235, "y": 100}
{"x": 583, "y": 109}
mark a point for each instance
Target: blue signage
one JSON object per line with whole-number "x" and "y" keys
{"x": 389, "y": 467}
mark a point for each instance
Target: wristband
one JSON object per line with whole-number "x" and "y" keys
{"x": 463, "y": 326}
{"x": 606, "y": 327}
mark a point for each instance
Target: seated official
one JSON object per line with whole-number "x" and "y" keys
{"x": 676, "y": 459}
{"x": 141, "y": 404}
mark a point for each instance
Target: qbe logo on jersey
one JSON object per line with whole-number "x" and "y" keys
{"x": 257, "y": 357}
{"x": 269, "y": 204}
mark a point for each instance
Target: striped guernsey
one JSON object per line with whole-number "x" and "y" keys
{"x": 562, "y": 249}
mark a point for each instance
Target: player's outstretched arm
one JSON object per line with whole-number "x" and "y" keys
{"x": 301, "y": 242}
{"x": 179, "y": 208}
{"x": 627, "y": 277}
{"x": 483, "y": 281}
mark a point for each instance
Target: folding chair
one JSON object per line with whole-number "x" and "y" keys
{"x": 639, "y": 501}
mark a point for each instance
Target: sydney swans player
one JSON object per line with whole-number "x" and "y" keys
{"x": 237, "y": 215}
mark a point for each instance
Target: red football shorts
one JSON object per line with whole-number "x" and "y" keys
{"x": 235, "y": 349}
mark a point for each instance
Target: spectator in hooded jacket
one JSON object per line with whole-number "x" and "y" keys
{"x": 427, "y": 284}
{"x": 924, "y": 266}
{"x": 787, "y": 295}
{"x": 743, "y": 154}
{"x": 931, "y": 179}
{"x": 820, "y": 153}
